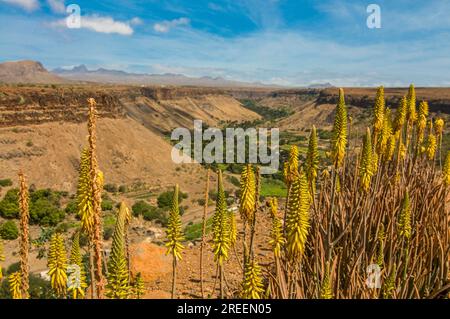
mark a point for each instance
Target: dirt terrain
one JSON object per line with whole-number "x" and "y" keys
{"x": 155, "y": 267}
{"x": 43, "y": 130}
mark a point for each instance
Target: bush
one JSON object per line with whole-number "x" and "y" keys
{"x": 45, "y": 207}
{"x": 235, "y": 181}
{"x": 165, "y": 199}
{"x": 9, "y": 230}
{"x": 108, "y": 232}
{"x": 109, "y": 220}
{"x": 107, "y": 202}
{"x": 46, "y": 213}
{"x": 71, "y": 207}
{"x": 62, "y": 228}
{"x": 149, "y": 212}
{"x": 140, "y": 207}
{"x": 123, "y": 189}
{"x": 194, "y": 231}
{"x": 9, "y": 205}
{"x": 324, "y": 135}
{"x": 5, "y": 182}
{"x": 112, "y": 188}
{"x": 107, "y": 205}
{"x": 156, "y": 214}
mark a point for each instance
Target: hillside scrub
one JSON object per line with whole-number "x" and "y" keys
{"x": 9, "y": 230}
{"x": 45, "y": 206}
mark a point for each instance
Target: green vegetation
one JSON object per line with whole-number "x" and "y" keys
{"x": 45, "y": 206}
{"x": 165, "y": 199}
{"x": 111, "y": 188}
{"x": 9, "y": 230}
{"x": 109, "y": 222}
{"x": 71, "y": 207}
{"x": 291, "y": 138}
{"x": 272, "y": 187}
{"x": 194, "y": 231}
{"x": 107, "y": 203}
{"x": 9, "y": 206}
{"x": 5, "y": 182}
{"x": 234, "y": 180}
{"x": 267, "y": 113}
{"x": 324, "y": 134}
{"x": 149, "y": 212}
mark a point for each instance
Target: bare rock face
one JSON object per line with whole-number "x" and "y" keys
{"x": 27, "y": 72}
{"x": 37, "y": 105}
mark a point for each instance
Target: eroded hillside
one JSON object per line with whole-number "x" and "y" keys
{"x": 43, "y": 129}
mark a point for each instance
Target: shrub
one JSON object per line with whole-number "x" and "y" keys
{"x": 112, "y": 188}
{"x": 235, "y": 181}
{"x": 9, "y": 207}
{"x": 71, "y": 207}
{"x": 62, "y": 228}
{"x": 109, "y": 220}
{"x": 107, "y": 205}
{"x": 139, "y": 207}
{"x": 5, "y": 182}
{"x": 165, "y": 199}
{"x": 324, "y": 134}
{"x": 149, "y": 212}
{"x": 107, "y": 202}
{"x": 123, "y": 189}
{"x": 44, "y": 212}
{"x": 108, "y": 232}
{"x": 9, "y": 230}
{"x": 155, "y": 214}
{"x": 194, "y": 231}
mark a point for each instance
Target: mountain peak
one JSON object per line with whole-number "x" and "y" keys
{"x": 26, "y": 71}
{"x": 80, "y": 68}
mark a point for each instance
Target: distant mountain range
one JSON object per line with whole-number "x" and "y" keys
{"x": 34, "y": 72}
{"x": 82, "y": 73}
{"x": 321, "y": 85}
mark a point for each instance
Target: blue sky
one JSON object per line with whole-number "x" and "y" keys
{"x": 287, "y": 42}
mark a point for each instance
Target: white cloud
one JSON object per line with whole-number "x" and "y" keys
{"x": 105, "y": 25}
{"x": 101, "y": 24}
{"x": 28, "y": 5}
{"x": 165, "y": 26}
{"x": 57, "y": 6}
{"x": 136, "y": 21}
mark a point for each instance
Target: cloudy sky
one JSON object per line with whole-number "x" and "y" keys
{"x": 287, "y": 42}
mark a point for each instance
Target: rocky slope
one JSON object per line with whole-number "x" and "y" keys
{"x": 43, "y": 130}
{"x": 27, "y": 72}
